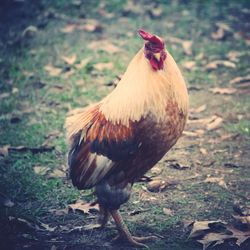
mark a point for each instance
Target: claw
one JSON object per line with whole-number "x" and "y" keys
{"x": 125, "y": 235}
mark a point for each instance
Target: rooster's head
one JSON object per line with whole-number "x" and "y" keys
{"x": 154, "y": 49}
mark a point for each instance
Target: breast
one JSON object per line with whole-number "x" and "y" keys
{"x": 156, "y": 139}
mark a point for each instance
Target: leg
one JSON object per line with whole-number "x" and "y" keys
{"x": 104, "y": 216}
{"x": 124, "y": 233}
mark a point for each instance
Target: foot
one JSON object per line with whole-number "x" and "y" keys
{"x": 124, "y": 233}
{"x": 134, "y": 240}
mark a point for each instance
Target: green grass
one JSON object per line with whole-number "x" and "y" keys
{"x": 33, "y": 194}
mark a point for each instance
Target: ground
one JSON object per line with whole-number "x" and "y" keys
{"x": 58, "y": 56}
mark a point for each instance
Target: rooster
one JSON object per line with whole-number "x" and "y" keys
{"x": 116, "y": 141}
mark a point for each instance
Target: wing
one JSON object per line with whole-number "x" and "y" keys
{"x": 97, "y": 146}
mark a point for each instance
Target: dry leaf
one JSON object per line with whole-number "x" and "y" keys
{"x": 83, "y": 63}
{"x": 159, "y": 185}
{"x": 92, "y": 226}
{"x": 189, "y": 65}
{"x": 84, "y": 207}
{"x": 199, "y": 109}
{"x": 203, "y": 151}
{"x": 195, "y": 133}
{"x": 53, "y": 71}
{"x": 214, "y": 124}
{"x": 241, "y": 81}
{"x": 59, "y": 212}
{"x": 223, "y": 91}
{"x": 22, "y": 222}
{"x": 29, "y": 31}
{"x": 104, "y": 45}
{"x": 167, "y": 211}
{"x": 241, "y": 236}
{"x": 215, "y": 64}
{"x": 5, "y": 201}
{"x": 47, "y": 227}
{"x": 57, "y": 173}
{"x": 68, "y": 73}
{"x": 219, "y": 34}
{"x": 91, "y": 26}
{"x": 178, "y": 166}
{"x": 187, "y": 47}
{"x": 4, "y": 151}
{"x": 68, "y": 28}
{"x": 218, "y": 180}
{"x": 4, "y": 95}
{"x": 212, "y": 233}
{"x": 213, "y": 239}
{"x": 69, "y": 60}
{"x": 155, "y": 12}
{"x": 222, "y": 31}
{"x": 199, "y": 228}
{"x": 234, "y": 55}
{"x": 103, "y": 66}
{"x": 41, "y": 170}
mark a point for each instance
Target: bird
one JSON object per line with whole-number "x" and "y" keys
{"x": 114, "y": 142}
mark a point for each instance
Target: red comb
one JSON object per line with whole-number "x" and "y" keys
{"x": 149, "y": 37}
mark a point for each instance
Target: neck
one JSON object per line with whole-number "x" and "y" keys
{"x": 142, "y": 90}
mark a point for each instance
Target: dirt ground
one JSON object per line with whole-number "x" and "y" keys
{"x": 59, "y": 55}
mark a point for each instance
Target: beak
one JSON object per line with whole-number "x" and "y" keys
{"x": 157, "y": 56}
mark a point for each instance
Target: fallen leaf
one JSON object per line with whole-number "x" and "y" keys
{"x": 41, "y": 170}
{"x": 69, "y": 59}
{"x": 223, "y": 91}
{"x": 91, "y": 25}
{"x": 241, "y": 81}
{"x": 4, "y": 151}
{"x": 167, "y": 211}
{"x": 83, "y": 63}
{"x": 159, "y": 185}
{"x": 196, "y": 133}
{"x": 57, "y": 173}
{"x": 103, "y": 66}
{"x": 53, "y": 71}
{"x": 178, "y": 166}
{"x": 234, "y": 55}
{"x": 189, "y": 65}
{"x": 68, "y": 28}
{"x": 92, "y": 226}
{"x": 34, "y": 150}
{"x": 84, "y": 207}
{"x": 199, "y": 109}
{"x": 219, "y": 34}
{"x": 214, "y": 124}
{"x": 68, "y": 73}
{"x": 22, "y": 222}
{"x": 213, "y": 233}
{"x": 4, "y": 95}
{"x": 215, "y": 64}
{"x": 5, "y": 201}
{"x": 47, "y": 227}
{"x": 244, "y": 220}
{"x": 213, "y": 239}
{"x": 59, "y": 212}
{"x": 155, "y": 12}
{"x": 241, "y": 236}
{"x": 105, "y": 14}
{"x": 104, "y": 45}
{"x": 187, "y": 47}
{"x": 218, "y": 180}
{"x": 203, "y": 151}
{"x": 199, "y": 228}
{"x": 29, "y": 31}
